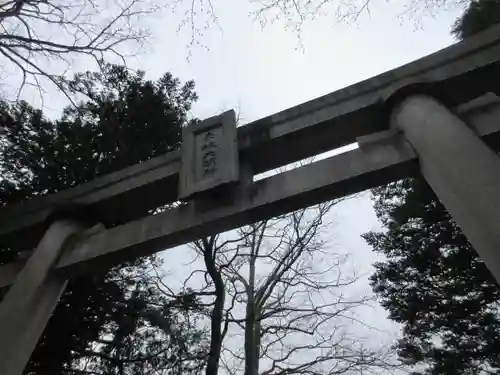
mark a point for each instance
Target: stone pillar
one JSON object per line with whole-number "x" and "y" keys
{"x": 462, "y": 170}
{"x": 30, "y": 301}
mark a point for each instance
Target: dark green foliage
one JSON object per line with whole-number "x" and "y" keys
{"x": 479, "y": 15}
{"x": 127, "y": 120}
{"x": 114, "y": 323}
{"x": 434, "y": 283}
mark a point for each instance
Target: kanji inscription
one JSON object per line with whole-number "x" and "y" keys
{"x": 208, "y": 148}
{"x": 209, "y": 155}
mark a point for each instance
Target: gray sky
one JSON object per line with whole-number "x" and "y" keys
{"x": 259, "y": 71}
{"x": 262, "y": 71}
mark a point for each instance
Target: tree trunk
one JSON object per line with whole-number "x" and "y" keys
{"x": 251, "y": 342}
{"x": 252, "y": 326}
{"x": 256, "y": 336}
{"x": 217, "y": 312}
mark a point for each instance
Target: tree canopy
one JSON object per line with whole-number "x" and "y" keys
{"x": 113, "y": 323}
{"x": 479, "y": 15}
{"x": 433, "y": 281}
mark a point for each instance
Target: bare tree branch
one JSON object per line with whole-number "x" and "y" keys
{"x": 284, "y": 296}
{"x": 40, "y": 38}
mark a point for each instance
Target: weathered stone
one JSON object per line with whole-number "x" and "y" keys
{"x": 322, "y": 124}
{"x": 209, "y": 155}
{"x": 30, "y": 301}
{"x": 462, "y": 170}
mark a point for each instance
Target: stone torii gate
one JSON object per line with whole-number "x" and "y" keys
{"x": 438, "y": 116}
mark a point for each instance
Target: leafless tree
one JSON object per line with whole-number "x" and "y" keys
{"x": 277, "y": 302}
{"x": 40, "y": 38}
{"x": 199, "y": 15}
{"x": 296, "y": 12}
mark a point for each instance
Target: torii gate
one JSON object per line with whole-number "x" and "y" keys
{"x": 430, "y": 116}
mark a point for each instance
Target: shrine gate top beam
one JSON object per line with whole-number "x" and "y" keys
{"x": 308, "y": 129}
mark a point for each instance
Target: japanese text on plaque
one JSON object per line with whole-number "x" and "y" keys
{"x": 209, "y": 153}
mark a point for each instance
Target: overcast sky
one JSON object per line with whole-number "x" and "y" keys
{"x": 259, "y": 71}
{"x": 262, "y": 71}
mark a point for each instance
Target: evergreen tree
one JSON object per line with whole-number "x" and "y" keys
{"x": 113, "y": 323}
{"x": 433, "y": 282}
{"x": 479, "y": 15}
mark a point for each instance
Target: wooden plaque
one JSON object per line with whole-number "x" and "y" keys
{"x": 209, "y": 155}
